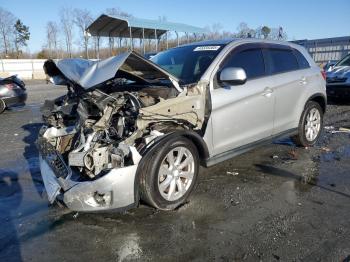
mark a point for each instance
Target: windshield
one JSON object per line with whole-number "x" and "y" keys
{"x": 344, "y": 62}
{"x": 188, "y": 63}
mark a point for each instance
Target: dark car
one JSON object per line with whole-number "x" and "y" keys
{"x": 12, "y": 92}
{"x": 338, "y": 79}
{"x": 149, "y": 55}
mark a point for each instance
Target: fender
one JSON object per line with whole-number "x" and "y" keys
{"x": 317, "y": 96}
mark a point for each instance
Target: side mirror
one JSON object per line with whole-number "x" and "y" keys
{"x": 232, "y": 76}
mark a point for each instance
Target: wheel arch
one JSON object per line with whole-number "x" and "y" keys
{"x": 319, "y": 98}
{"x": 2, "y": 105}
{"x": 194, "y": 137}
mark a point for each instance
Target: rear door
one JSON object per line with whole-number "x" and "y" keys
{"x": 242, "y": 114}
{"x": 287, "y": 81}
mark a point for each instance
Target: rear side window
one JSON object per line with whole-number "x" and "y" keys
{"x": 250, "y": 60}
{"x": 281, "y": 60}
{"x": 303, "y": 63}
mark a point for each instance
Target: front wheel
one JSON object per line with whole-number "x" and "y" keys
{"x": 169, "y": 173}
{"x": 310, "y": 125}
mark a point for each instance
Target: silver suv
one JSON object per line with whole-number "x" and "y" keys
{"x": 131, "y": 129}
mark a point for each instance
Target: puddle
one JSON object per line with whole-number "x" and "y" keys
{"x": 341, "y": 152}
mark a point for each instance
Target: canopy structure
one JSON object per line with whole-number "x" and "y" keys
{"x": 131, "y": 27}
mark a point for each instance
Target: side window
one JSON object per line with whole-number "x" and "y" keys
{"x": 250, "y": 60}
{"x": 280, "y": 60}
{"x": 303, "y": 63}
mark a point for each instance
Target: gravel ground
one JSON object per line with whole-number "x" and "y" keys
{"x": 276, "y": 202}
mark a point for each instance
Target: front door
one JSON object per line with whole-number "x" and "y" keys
{"x": 242, "y": 114}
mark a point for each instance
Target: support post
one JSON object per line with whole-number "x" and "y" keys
{"x": 143, "y": 41}
{"x": 131, "y": 42}
{"x": 156, "y": 38}
{"x": 110, "y": 45}
{"x": 167, "y": 42}
{"x": 177, "y": 38}
{"x": 98, "y": 47}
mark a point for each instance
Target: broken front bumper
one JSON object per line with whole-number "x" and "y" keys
{"x": 114, "y": 190}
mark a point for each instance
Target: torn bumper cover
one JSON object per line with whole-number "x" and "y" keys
{"x": 114, "y": 190}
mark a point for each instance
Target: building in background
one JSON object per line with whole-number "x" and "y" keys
{"x": 326, "y": 49}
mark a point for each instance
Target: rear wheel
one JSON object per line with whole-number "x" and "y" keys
{"x": 310, "y": 125}
{"x": 169, "y": 174}
{"x": 2, "y": 106}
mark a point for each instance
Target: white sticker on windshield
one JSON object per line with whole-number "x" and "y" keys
{"x": 207, "y": 48}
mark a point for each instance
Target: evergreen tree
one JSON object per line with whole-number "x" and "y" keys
{"x": 21, "y": 36}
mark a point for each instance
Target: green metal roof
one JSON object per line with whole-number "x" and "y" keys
{"x": 119, "y": 26}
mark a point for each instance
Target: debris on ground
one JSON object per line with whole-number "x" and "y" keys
{"x": 75, "y": 215}
{"x": 274, "y": 156}
{"x": 344, "y": 129}
{"x": 332, "y": 129}
{"x": 329, "y": 128}
{"x": 232, "y": 173}
{"x": 326, "y": 149}
{"x": 293, "y": 154}
{"x": 193, "y": 225}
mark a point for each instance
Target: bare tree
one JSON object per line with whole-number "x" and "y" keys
{"x": 244, "y": 31}
{"x": 66, "y": 15}
{"x": 52, "y": 38}
{"x": 214, "y": 31}
{"x": 277, "y": 34}
{"x": 83, "y": 18}
{"x": 7, "y": 21}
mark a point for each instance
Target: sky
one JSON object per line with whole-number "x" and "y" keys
{"x": 300, "y": 19}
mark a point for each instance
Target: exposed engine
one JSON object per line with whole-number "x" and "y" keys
{"x": 105, "y": 129}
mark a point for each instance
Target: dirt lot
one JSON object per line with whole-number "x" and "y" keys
{"x": 275, "y": 203}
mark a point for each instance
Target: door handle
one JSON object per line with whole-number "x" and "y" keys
{"x": 267, "y": 92}
{"x": 303, "y": 81}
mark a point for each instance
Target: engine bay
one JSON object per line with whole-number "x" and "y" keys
{"x": 101, "y": 130}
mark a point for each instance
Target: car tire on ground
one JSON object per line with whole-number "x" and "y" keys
{"x": 169, "y": 173}
{"x": 310, "y": 125}
{"x": 2, "y": 106}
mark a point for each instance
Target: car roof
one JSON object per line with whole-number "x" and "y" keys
{"x": 231, "y": 40}
{"x": 212, "y": 42}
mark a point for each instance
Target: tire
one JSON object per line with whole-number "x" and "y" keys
{"x": 309, "y": 130}
{"x": 2, "y": 106}
{"x": 161, "y": 182}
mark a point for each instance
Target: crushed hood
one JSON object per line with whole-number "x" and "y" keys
{"x": 88, "y": 73}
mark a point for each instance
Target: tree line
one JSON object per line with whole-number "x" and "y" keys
{"x": 67, "y": 37}
{"x": 13, "y": 34}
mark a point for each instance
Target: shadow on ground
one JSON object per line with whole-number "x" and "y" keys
{"x": 31, "y": 155}
{"x": 10, "y": 199}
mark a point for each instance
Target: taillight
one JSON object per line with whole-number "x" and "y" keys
{"x": 323, "y": 73}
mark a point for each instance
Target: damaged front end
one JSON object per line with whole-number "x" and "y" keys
{"x": 94, "y": 138}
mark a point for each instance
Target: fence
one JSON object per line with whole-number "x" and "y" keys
{"x": 24, "y": 68}
{"x": 326, "y": 49}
